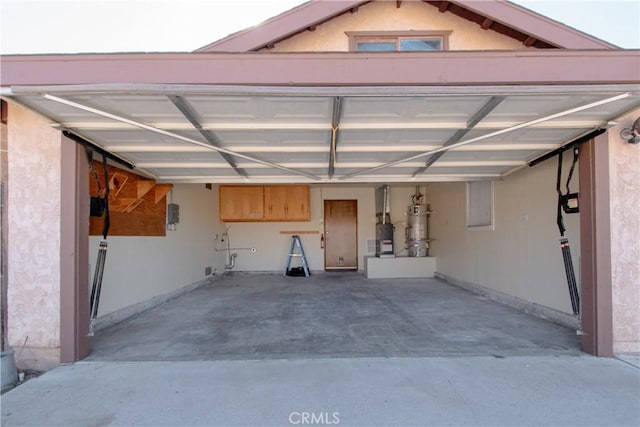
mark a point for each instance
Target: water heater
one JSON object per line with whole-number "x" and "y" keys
{"x": 417, "y": 230}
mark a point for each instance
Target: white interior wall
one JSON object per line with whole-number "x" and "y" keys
{"x": 139, "y": 268}
{"x": 522, "y": 256}
{"x": 272, "y": 247}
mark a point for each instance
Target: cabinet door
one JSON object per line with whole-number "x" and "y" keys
{"x": 275, "y": 200}
{"x": 286, "y": 203}
{"x": 241, "y": 203}
{"x": 297, "y": 206}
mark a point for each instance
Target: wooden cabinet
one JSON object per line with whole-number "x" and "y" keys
{"x": 264, "y": 203}
{"x": 241, "y": 203}
{"x": 286, "y": 203}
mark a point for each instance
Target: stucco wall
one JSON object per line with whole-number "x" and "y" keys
{"x": 33, "y": 239}
{"x": 140, "y": 268}
{"x": 522, "y": 256}
{"x": 624, "y": 174}
{"x": 385, "y": 16}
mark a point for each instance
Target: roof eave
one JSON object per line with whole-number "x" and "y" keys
{"x": 536, "y": 25}
{"x": 281, "y": 26}
{"x": 315, "y": 12}
{"x": 543, "y": 66}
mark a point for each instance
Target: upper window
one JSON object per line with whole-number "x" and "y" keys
{"x": 404, "y": 41}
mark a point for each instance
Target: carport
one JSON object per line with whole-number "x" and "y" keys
{"x": 332, "y": 119}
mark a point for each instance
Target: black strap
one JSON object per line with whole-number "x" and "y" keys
{"x": 576, "y": 152}
{"x": 93, "y": 169}
{"x": 559, "y": 219}
{"x": 107, "y": 220}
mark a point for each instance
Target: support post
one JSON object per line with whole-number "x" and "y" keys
{"x": 74, "y": 253}
{"x": 595, "y": 242}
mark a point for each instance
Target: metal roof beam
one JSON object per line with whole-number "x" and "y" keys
{"x": 496, "y": 133}
{"x": 171, "y": 134}
{"x": 493, "y": 102}
{"x": 211, "y": 138}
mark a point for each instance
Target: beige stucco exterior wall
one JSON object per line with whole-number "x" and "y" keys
{"x": 140, "y": 268}
{"x": 522, "y": 256}
{"x": 3, "y": 220}
{"x": 624, "y": 175}
{"x": 385, "y": 16}
{"x": 33, "y": 239}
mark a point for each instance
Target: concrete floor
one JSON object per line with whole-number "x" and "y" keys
{"x": 406, "y": 391}
{"x": 337, "y": 315}
{"x": 299, "y": 333}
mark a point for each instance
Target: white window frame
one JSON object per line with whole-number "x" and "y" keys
{"x": 395, "y": 37}
{"x": 479, "y": 200}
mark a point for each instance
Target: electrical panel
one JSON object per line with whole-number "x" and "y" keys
{"x": 173, "y": 213}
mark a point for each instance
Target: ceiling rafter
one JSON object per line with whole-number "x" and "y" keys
{"x": 444, "y": 5}
{"x": 487, "y": 108}
{"x": 496, "y": 133}
{"x": 487, "y": 23}
{"x": 187, "y": 111}
{"x": 521, "y": 146}
{"x": 170, "y": 134}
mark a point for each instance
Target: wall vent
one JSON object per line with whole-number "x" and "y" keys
{"x": 207, "y": 271}
{"x": 371, "y": 246}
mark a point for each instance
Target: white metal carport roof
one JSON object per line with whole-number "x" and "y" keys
{"x": 241, "y": 118}
{"x": 240, "y": 134}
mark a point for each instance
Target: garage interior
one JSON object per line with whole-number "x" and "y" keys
{"x": 268, "y": 316}
{"x": 341, "y": 144}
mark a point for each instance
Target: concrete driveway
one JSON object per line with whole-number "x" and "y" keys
{"x": 263, "y": 350}
{"x": 430, "y": 391}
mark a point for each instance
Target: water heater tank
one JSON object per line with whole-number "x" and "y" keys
{"x": 417, "y": 232}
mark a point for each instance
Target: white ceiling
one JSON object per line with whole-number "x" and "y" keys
{"x": 285, "y": 135}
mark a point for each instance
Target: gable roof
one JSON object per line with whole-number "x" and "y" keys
{"x": 502, "y": 16}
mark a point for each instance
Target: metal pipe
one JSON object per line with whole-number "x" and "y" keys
{"x": 232, "y": 262}
{"x": 567, "y": 146}
{"x": 80, "y": 140}
{"x": 236, "y": 249}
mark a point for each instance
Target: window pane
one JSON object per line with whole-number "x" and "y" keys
{"x": 480, "y": 204}
{"x": 420, "y": 44}
{"x": 376, "y": 46}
